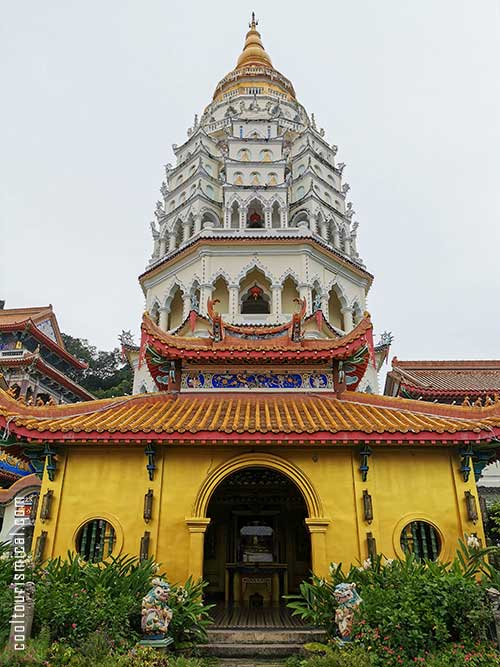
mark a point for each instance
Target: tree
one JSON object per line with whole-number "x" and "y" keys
{"x": 107, "y": 374}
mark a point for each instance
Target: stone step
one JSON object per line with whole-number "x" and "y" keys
{"x": 247, "y": 650}
{"x": 265, "y": 636}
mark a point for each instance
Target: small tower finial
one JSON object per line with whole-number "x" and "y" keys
{"x": 253, "y": 23}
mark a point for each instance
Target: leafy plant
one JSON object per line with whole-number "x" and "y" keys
{"x": 410, "y": 607}
{"x": 75, "y": 598}
{"x": 34, "y": 654}
{"x": 190, "y": 615}
{"x": 6, "y": 592}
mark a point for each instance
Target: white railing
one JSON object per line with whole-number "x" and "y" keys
{"x": 13, "y": 354}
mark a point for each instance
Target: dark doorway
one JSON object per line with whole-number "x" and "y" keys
{"x": 257, "y": 546}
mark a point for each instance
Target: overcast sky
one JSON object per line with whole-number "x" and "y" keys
{"x": 94, "y": 93}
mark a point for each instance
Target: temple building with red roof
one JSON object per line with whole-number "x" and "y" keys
{"x": 255, "y": 447}
{"x": 455, "y": 382}
{"x": 33, "y": 359}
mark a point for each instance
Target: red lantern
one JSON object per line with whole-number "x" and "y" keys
{"x": 255, "y": 292}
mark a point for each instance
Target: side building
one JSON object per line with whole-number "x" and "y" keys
{"x": 454, "y": 382}
{"x": 33, "y": 359}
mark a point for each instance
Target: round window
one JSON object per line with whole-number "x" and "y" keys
{"x": 95, "y": 540}
{"x": 421, "y": 539}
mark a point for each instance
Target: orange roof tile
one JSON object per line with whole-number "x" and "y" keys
{"x": 164, "y": 416}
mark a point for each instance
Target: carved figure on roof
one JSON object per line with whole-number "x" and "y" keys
{"x": 126, "y": 338}
{"x": 168, "y": 167}
{"x": 231, "y": 111}
{"x": 156, "y": 614}
{"x": 335, "y": 149}
{"x": 345, "y": 188}
{"x": 466, "y": 402}
{"x": 275, "y": 110}
{"x": 296, "y": 333}
{"x": 386, "y": 338}
{"x": 478, "y": 403}
{"x": 217, "y": 328}
{"x": 194, "y": 301}
{"x": 164, "y": 188}
{"x": 316, "y": 301}
{"x": 154, "y": 231}
{"x": 313, "y": 121}
{"x": 254, "y": 105}
{"x": 341, "y": 167}
{"x": 349, "y": 211}
{"x": 159, "y": 210}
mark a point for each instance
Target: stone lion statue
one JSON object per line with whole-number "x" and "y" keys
{"x": 348, "y": 601}
{"x": 156, "y": 614}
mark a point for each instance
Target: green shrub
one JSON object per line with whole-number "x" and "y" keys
{"x": 74, "y": 598}
{"x": 34, "y": 655}
{"x": 143, "y": 656}
{"x": 6, "y": 592}
{"x": 332, "y": 656}
{"x": 190, "y": 615}
{"x": 410, "y": 607}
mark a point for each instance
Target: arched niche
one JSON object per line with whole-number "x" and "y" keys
{"x": 289, "y": 293}
{"x": 275, "y": 216}
{"x": 235, "y": 216}
{"x": 175, "y": 308}
{"x": 255, "y": 215}
{"x": 335, "y": 309}
{"x": 255, "y": 294}
{"x": 155, "y": 313}
{"x": 221, "y": 292}
{"x": 357, "y": 314}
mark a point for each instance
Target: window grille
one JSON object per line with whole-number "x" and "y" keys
{"x": 96, "y": 540}
{"x": 421, "y": 539}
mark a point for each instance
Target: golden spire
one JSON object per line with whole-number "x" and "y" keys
{"x": 253, "y": 51}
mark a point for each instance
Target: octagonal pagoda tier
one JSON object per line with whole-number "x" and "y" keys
{"x": 207, "y": 354}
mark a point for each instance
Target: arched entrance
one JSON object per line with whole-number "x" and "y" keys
{"x": 257, "y": 545}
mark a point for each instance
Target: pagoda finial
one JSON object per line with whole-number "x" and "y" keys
{"x": 253, "y": 52}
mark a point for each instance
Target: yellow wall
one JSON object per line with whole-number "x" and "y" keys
{"x": 110, "y": 482}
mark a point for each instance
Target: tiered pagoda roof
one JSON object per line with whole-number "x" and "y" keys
{"x": 257, "y": 345}
{"x": 29, "y": 321}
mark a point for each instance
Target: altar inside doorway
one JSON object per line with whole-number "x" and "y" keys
{"x": 257, "y": 547}
{"x": 256, "y": 585}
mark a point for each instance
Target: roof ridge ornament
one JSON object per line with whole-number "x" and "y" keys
{"x": 253, "y": 23}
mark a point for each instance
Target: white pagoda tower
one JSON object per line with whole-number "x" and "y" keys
{"x": 254, "y": 217}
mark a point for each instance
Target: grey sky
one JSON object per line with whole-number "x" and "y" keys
{"x": 94, "y": 93}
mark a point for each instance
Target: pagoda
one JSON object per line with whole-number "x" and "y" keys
{"x": 255, "y": 280}
{"x": 254, "y": 449}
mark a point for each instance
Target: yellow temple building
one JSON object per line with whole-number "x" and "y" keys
{"x": 256, "y": 448}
